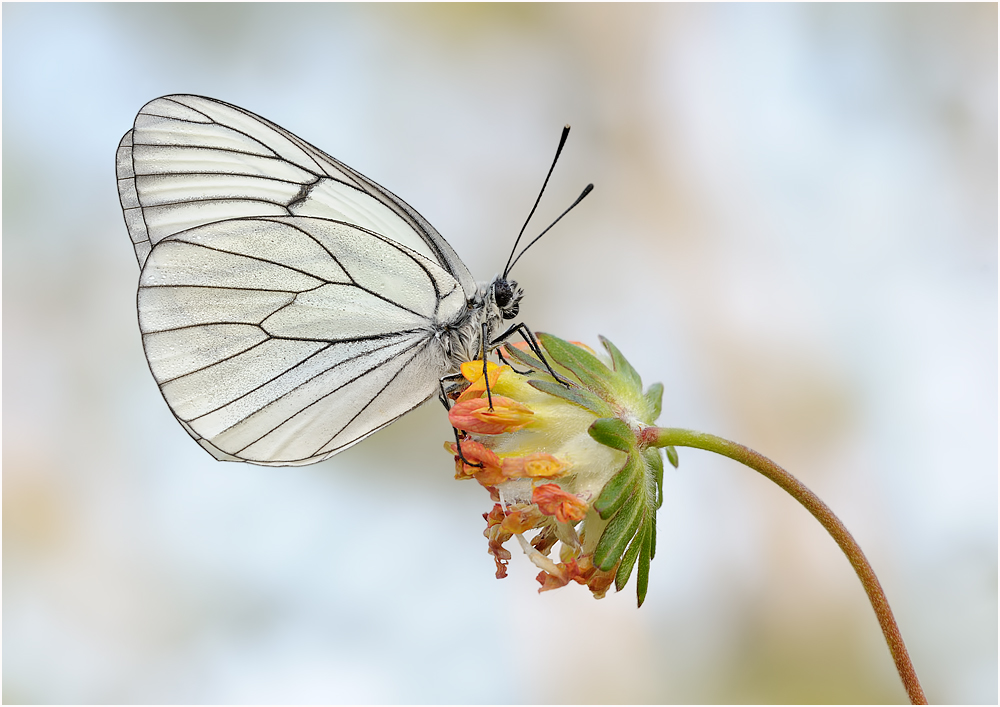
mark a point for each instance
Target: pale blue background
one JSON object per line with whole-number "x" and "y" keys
{"x": 794, "y": 228}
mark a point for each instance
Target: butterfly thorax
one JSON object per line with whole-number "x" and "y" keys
{"x": 492, "y": 303}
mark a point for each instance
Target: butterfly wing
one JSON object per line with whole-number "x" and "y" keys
{"x": 191, "y": 160}
{"x": 288, "y": 305}
{"x": 283, "y": 340}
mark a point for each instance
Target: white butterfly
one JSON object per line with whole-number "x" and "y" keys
{"x": 289, "y": 306}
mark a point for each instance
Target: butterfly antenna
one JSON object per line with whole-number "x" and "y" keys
{"x": 589, "y": 188}
{"x": 562, "y": 141}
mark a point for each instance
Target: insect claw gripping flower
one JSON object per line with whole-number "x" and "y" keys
{"x": 566, "y": 461}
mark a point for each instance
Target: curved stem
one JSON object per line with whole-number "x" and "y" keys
{"x": 666, "y": 437}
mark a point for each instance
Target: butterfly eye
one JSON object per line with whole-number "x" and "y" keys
{"x": 503, "y": 293}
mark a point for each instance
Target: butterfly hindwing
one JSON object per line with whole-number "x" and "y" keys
{"x": 283, "y": 340}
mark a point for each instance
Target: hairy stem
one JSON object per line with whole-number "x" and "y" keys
{"x": 665, "y": 437}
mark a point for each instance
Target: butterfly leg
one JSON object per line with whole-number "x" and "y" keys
{"x": 529, "y": 339}
{"x": 489, "y": 395}
{"x": 504, "y": 361}
{"x": 458, "y": 447}
{"x": 443, "y": 397}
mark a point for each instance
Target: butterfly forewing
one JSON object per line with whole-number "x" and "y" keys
{"x": 191, "y": 160}
{"x": 289, "y": 306}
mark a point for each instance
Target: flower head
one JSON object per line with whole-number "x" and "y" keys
{"x": 564, "y": 457}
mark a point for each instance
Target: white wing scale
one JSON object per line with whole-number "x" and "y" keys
{"x": 289, "y": 306}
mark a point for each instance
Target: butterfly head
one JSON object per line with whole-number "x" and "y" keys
{"x": 507, "y": 296}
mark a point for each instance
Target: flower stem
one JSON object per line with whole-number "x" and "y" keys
{"x": 664, "y": 437}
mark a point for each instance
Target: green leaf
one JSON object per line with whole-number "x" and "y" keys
{"x": 621, "y": 364}
{"x": 587, "y": 368}
{"x": 645, "y": 555}
{"x": 578, "y": 396}
{"x": 613, "y": 432}
{"x": 655, "y": 462}
{"x": 619, "y": 532}
{"x": 654, "y": 398}
{"x": 672, "y": 457}
{"x": 622, "y": 486}
{"x": 524, "y": 358}
{"x": 628, "y": 562}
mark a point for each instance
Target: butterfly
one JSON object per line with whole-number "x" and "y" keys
{"x": 289, "y": 306}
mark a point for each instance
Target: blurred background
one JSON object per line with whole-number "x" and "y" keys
{"x": 794, "y": 228}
